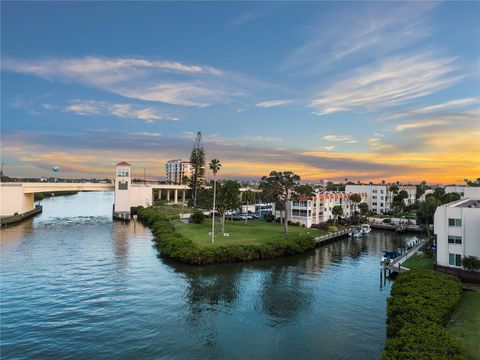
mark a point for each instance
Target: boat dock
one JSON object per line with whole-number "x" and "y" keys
{"x": 397, "y": 228}
{"x": 396, "y": 264}
{"x": 331, "y": 236}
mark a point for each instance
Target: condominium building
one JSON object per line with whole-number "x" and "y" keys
{"x": 457, "y": 228}
{"x": 176, "y": 169}
{"x": 318, "y": 208}
{"x": 379, "y": 197}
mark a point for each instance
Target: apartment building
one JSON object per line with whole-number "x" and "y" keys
{"x": 457, "y": 228}
{"x": 176, "y": 169}
{"x": 379, "y": 197}
{"x": 318, "y": 209}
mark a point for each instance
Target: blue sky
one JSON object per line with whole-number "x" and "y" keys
{"x": 363, "y": 90}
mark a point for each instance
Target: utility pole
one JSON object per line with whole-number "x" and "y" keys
{"x": 144, "y": 176}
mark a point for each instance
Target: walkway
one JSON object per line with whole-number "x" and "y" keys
{"x": 396, "y": 265}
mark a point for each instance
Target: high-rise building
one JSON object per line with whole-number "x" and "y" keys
{"x": 176, "y": 169}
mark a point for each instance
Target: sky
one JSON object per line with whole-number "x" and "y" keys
{"x": 365, "y": 91}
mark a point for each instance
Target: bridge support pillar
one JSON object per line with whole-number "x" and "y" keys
{"x": 175, "y": 196}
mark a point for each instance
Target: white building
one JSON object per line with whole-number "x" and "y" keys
{"x": 128, "y": 195}
{"x": 457, "y": 227}
{"x": 175, "y": 170}
{"x": 379, "y": 197}
{"x": 459, "y": 189}
{"x": 318, "y": 209}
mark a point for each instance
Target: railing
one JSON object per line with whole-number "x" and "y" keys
{"x": 331, "y": 235}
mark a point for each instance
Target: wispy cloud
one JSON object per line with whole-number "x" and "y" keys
{"x": 272, "y": 103}
{"x": 93, "y": 107}
{"x": 151, "y": 80}
{"x": 351, "y": 36}
{"x": 434, "y": 109}
{"x": 419, "y": 124}
{"x": 244, "y": 18}
{"x": 327, "y": 148}
{"x": 348, "y": 139}
{"x": 388, "y": 83}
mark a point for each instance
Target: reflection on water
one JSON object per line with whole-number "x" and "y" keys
{"x": 77, "y": 285}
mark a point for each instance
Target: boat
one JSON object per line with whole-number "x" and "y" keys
{"x": 355, "y": 232}
{"x": 365, "y": 229}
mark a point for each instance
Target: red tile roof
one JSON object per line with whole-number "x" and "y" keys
{"x": 123, "y": 163}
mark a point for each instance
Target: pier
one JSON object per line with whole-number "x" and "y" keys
{"x": 396, "y": 264}
{"x": 331, "y": 236}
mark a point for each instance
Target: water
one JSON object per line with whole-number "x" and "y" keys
{"x": 74, "y": 284}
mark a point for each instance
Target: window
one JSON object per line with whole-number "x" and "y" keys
{"x": 454, "y": 222}
{"x": 454, "y": 259}
{"x": 123, "y": 185}
{"x": 122, "y": 172}
{"x": 381, "y": 191}
{"x": 374, "y": 203}
{"x": 381, "y": 204}
{"x": 374, "y": 197}
{"x": 454, "y": 239}
{"x": 374, "y": 191}
{"x": 381, "y": 197}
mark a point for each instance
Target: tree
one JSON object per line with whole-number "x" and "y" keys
{"x": 228, "y": 198}
{"x": 426, "y": 212}
{"x": 215, "y": 167}
{"x": 197, "y": 162}
{"x": 337, "y": 211}
{"x": 471, "y": 263}
{"x": 473, "y": 183}
{"x": 356, "y": 199}
{"x": 363, "y": 208}
{"x": 279, "y": 186}
{"x": 394, "y": 188}
{"x": 398, "y": 201}
{"x": 248, "y": 197}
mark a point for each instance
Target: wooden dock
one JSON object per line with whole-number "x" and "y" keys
{"x": 396, "y": 265}
{"x": 331, "y": 236}
{"x": 398, "y": 228}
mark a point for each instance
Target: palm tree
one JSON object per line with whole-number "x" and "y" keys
{"x": 215, "y": 167}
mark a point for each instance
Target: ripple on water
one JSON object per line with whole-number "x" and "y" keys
{"x": 77, "y": 285}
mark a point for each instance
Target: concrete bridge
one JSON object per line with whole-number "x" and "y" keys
{"x": 18, "y": 198}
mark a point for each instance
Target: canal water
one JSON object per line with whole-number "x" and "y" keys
{"x": 75, "y": 285}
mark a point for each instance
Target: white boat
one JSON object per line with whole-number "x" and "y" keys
{"x": 365, "y": 229}
{"x": 355, "y": 232}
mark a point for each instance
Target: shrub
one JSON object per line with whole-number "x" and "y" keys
{"x": 387, "y": 220}
{"x": 332, "y": 228}
{"x": 426, "y": 342}
{"x": 471, "y": 263}
{"x": 197, "y": 217}
{"x": 420, "y": 305}
{"x": 174, "y": 245}
{"x": 269, "y": 218}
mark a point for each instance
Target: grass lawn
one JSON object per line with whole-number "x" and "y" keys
{"x": 173, "y": 210}
{"x": 254, "y": 232}
{"x": 419, "y": 261}
{"x": 465, "y": 325}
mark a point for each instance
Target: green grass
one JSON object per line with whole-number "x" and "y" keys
{"x": 419, "y": 261}
{"x": 254, "y": 232}
{"x": 173, "y": 210}
{"x": 465, "y": 325}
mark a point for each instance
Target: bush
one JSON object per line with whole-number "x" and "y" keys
{"x": 332, "y": 228}
{"x": 197, "y": 217}
{"x": 387, "y": 220}
{"x": 427, "y": 342}
{"x": 173, "y": 245}
{"x": 471, "y": 263}
{"x": 269, "y": 218}
{"x": 420, "y": 305}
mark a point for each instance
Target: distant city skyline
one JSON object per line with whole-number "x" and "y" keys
{"x": 367, "y": 91}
